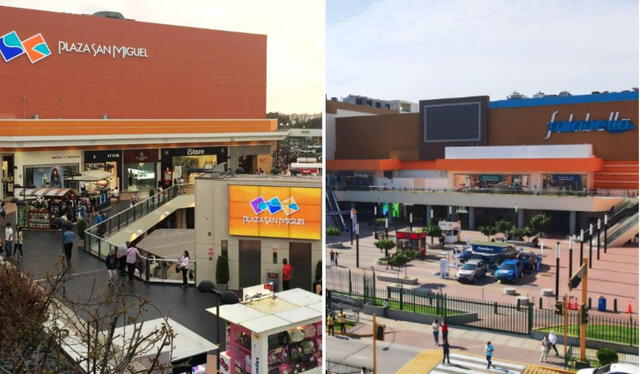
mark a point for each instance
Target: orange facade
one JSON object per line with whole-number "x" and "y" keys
{"x": 167, "y": 71}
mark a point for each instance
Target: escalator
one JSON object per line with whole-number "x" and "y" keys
{"x": 623, "y": 223}
{"x": 333, "y": 211}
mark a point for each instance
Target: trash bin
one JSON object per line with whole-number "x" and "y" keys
{"x": 380, "y": 332}
{"x": 602, "y": 304}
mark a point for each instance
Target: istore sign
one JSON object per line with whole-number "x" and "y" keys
{"x": 36, "y": 48}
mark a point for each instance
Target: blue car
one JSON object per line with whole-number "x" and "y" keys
{"x": 509, "y": 271}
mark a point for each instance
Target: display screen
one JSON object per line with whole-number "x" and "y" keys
{"x": 452, "y": 122}
{"x": 276, "y": 212}
{"x": 52, "y": 176}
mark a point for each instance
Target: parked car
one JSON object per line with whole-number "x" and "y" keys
{"x": 509, "y": 271}
{"x": 528, "y": 259}
{"x": 471, "y": 271}
{"x": 611, "y": 369}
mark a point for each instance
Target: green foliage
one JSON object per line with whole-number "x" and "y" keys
{"x": 380, "y": 221}
{"x": 333, "y": 231}
{"x": 385, "y": 244}
{"x": 222, "y": 270}
{"x": 502, "y": 226}
{"x": 433, "y": 231}
{"x": 540, "y": 222}
{"x": 401, "y": 258}
{"x": 528, "y": 231}
{"x": 275, "y": 171}
{"x": 81, "y": 226}
{"x": 152, "y": 191}
{"x": 515, "y": 233}
{"x": 488, "y": 231}
{"x": 606, "y": 356}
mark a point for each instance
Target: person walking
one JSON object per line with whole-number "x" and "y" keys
{"x": 3, "y": 213}
{"x": 488, "y": 351}
{"x": 332, "y": 256}
{"x": 553, "y": 340}
{"x": 336, "y": 258}
{"x": 445, "y": 331}
{"x": 184, "y": 268}
{"x": 132, "y": 257}
{"x": 342, "y": 322}
{"x": 8, "y": 239}
{"x": 122, "y": 258}
{"x": 67, "y": 242}
{"x": 112, "y": 266}
{"x": 19, "y": 241}
{"x": 287, "y": 273}
{"x": 445, "y": 351}
{"x": 330, "y": 323}
{"x": 435, "y": 326}
{"x": 544, "y": 348}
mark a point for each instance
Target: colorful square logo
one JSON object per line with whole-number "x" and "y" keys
{"x": 36, "y": 48}
{"x": 259, "y": 205}
{"x": 10, "y": 46}
{"x": 274, "y": 205}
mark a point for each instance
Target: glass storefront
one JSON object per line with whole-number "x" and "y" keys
{"x": 139, "y": 171}
{"x": 564, "y": 182}
{"x": 491, "y": 181}
{"x": 176, "y": 162}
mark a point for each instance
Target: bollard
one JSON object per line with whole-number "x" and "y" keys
{"x": 615, "y": 305}
{"x": 540, "y": 303}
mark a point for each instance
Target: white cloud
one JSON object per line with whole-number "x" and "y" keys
{"x": 402, "y": 49}
{"x": 294, "y": 29}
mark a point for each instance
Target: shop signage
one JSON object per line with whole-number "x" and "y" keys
{"x": 102, "y": 156}
{"x": 193, "y": 151}
{"x": 140, "y": 155}
{"x": 613, "y": 125}
{"x": 280, "y": 212}
{"x": 257, "y": 292}
{"x": 566, "y": 178}
{"x": 36, "y": 48}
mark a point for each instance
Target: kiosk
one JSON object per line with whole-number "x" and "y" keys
{"x": 273, "y": 333}
{"x": 416, "y": 239}
{"x": 44, "y": 205}
{"x": 451, "y": 231}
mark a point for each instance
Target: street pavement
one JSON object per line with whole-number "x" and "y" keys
{"x": 614, "y": 276}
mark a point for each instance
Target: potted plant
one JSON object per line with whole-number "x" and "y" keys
{"x": 222, "y": 272}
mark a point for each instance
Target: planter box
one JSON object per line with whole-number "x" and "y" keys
{"x": 378, "y": 310}
{"x": 386, "y": 278}
{"x": 402, "y": 315}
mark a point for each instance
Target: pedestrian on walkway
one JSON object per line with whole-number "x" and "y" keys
{"x": 67, "y": 242}
{"x": 544, "y": 348}
{"x": 112, "y": 266}
{"x": 342, "y": 322}
{"x": 330, "y": 323}
{"x": 488, "y": 350}
{"x": 435, "y": 326}
{"x": 132, "y": 258}
{"x": 122, "y": 258}
{"x": 553, "y": 340}
{"x": 184, "y": 268}
{"x": 336, "y": 258}
{"x": 8, "y": 239}
{"x": 445, "y": 331}
{"x": 332, "y": 256}
{"x": 445, "y": 352}
{"x": 19, "y": 241}
{"x": 287, "y": 273}
{"x": 3, "y": 213}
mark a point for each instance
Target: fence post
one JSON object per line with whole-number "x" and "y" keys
{"x": 373, "y": 286}
{"x": 444, "y": 309}
{"x": 364, "y": 288}
{"x": 495, "y": 307}
{"x": 540, "y": 303}
{"x": 388, "y": 293}
{"x": 350, "y": 286}
{"x": 438, "y": 303}
{"x": 530, "y": 318}
{"x": 414, "y": 300}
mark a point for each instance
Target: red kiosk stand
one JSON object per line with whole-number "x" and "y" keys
{"x": 416, "y": 240}
{"x": 273, "y": 333}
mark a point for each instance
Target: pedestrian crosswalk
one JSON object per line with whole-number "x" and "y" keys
{"x": 461, "y": 364}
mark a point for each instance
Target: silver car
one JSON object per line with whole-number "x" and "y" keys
{"x": 471, "y": 271}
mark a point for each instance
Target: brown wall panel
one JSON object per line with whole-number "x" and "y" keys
{"x": 190, "y": 73}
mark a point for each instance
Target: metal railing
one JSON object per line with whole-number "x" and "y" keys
{"x": 149, "y": 268}
{"x": 342, "y": 368}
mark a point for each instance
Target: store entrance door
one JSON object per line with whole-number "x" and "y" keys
{"x": 300, "y": 259}
{"x": 249, "y": 263}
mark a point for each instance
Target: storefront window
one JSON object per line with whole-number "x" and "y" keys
{"x": 564, "y": 182}
{"x": 491, "y": 181}
{"x": 140, "y": 176}
{"x": 296, "y": 350}
{"x": 52, "y": 176}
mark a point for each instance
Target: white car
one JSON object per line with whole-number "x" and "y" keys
{"x": 612, "y": 369}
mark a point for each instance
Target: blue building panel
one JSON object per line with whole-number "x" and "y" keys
{"x": 561, "y": 100}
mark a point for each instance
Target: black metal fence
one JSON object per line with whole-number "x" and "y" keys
{"x": 341, "y": 368}
{"x": 498, "y": 316}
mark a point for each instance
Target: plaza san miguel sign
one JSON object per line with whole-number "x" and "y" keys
{"x": 613, "y": 125}
{"x": 95, "y": 49}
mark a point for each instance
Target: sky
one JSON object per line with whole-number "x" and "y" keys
{"x": 294, "y": 29}
{"x": 426, "y": 49}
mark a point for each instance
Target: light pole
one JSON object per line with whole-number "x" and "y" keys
{"x": 357, "y": 245}
{"x": 590, "y": 245}
{"x": 410, "y": 221}
{"x": 581, "y": 243}
{"x": 570, "y": 256}
{"x": 605, "y": 233}
{"x": 598, "y": 251}
{"x": 375, "y": 221}
{"x": 386, "y": 227}
{"x": 223, "y": 298}
{"x": 557, "y": 269}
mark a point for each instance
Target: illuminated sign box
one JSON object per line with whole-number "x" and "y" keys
{"x": 275, "y": 212}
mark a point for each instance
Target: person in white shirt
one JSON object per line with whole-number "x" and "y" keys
{"x": 8, "y": 239}
{"x": 184, "y": 268}
{"x": 553, "y": 339}
{"x": 436, "y": 331}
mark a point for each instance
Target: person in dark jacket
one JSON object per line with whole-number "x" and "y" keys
{"x": 445, "y": 352}
{"x": 112, "y": 266}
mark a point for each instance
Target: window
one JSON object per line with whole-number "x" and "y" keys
{"x": 378, "y": 104}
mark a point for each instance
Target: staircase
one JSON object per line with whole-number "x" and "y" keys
{"x": 474, "y": 364}
{"x": 617, "y": 175}
{"x": 333, "y": 210}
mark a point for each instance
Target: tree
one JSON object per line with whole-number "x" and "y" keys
{"x": 502, "y": 226}
{"x": 515, "y": 233}
{"x": 386, "y": 245}
{"x": 222, "y": 270}
{"x": 433, "y": 231}
{"x": 606, "y": 356}
{"x": 528, "y": 231}
{"x": 539, "y": 223}
{"x": 488, "y": 231}
{"x": 333, "y": 231}
{"x": 41, "y": 319}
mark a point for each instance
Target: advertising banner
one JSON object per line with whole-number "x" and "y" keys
{"x": 276, "y": 212}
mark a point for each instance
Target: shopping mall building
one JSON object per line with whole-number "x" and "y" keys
{"x": 146, "y": 102}
{"x": 472, "y": 159}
